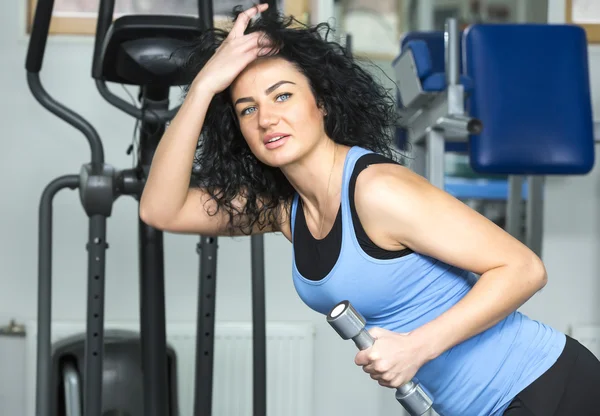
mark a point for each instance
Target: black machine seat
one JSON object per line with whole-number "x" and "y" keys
{"x": 147, "y": 49}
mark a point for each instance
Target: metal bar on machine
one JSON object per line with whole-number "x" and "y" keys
{"x": 514, "y": 212}
{"x": 94, "y": 342}
{"x": 435, "y": 158}
{"x": 153, "y": 333}
{"x": 205, "y": 325}
{"x": 105, "y": 18}
{"x": 205, "y": 13}
{"x": 435, "y": 140}
{"x": 43, "y": 391}
{"x": 535, "y": 214}
{"x": 452, "y": 56}
{"x": 153, "y": 337}
{"x": 259, "y": 335}
{"x": 203, "y": 387}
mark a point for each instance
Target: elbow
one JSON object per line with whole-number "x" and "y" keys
{"x": 535, "y": 269}
{"x": 150, "y": 217}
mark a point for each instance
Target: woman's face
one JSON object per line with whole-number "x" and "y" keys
{"x": 277, "y": 111}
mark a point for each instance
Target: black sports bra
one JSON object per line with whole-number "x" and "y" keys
{"x": 315, "y": 258}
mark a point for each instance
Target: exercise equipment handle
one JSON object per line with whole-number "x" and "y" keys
{"x": 33, "y": 65}
{"x": 39, "y": 35}
{"x": 105, "y": 17}
{"x": 205, "y": 13}
{"x": 350, "y": 324}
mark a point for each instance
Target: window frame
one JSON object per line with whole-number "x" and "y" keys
{"x": 86, "y": 26}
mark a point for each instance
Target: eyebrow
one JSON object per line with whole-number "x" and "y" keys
{"x": 267, "y": 92}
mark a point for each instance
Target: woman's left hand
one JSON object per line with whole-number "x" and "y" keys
{"x": 393, "y": 359}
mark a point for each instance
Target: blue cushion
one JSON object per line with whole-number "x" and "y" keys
{"x": 457, "y": 147}
{"x": 430, "y": 61}
{"x": 436, "y": 46}
{"x": 422, "y": 57}
{"x": 533, "y": 97}
{"x": 437, "y": 82}
{"x": 488, "y": 189}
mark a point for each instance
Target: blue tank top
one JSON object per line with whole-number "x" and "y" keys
{"x": 478, "y": 377}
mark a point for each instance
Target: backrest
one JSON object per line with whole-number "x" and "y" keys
{"x": 532, "y": 94}
{"x": 435, "y": 43}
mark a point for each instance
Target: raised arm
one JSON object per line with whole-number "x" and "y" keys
{"x": 168, "y": 202}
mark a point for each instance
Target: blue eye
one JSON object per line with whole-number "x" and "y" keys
{"x": 281, "y": 97}
{"x": 246, "y": 110}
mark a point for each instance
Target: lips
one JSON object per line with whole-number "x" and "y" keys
{"x": 275, "y": 140}
{"x": 274, "y": 137}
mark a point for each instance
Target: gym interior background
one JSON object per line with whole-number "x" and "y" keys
{"x": 38, "y": 147}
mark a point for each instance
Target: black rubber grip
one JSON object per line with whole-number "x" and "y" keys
{"x": 205, "y": 13}
{"x": 105, "y": 17}
{"x": 39, "y": 35}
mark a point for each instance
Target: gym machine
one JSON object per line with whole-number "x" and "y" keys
{"x": 435, "y": 114}
{"x": 145, "y": 51}
{"x": 490, "y": 91}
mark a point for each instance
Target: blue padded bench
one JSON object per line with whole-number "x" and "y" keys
{"x": 532, "y": 94}
{"x": 527, "y": 84}
{"x": 536, "y": 109}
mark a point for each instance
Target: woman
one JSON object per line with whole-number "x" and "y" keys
{"x": 296, "y": 138}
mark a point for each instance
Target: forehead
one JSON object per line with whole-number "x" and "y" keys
{"x": 264, "y": 72}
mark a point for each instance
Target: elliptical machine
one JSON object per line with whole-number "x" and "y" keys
{"x": 143, "y": 51}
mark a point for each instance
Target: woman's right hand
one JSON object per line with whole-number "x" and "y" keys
{"x": 234, "y": 54}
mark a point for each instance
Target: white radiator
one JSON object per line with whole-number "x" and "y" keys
{"x": 290, "y": 380}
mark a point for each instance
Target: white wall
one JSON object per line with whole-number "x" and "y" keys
{"x": 38, "y": 147}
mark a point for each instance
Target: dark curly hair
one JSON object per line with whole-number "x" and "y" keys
{"x": 360, "y": 112}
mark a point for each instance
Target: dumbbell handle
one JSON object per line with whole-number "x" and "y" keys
{"x": 349, "y": 324}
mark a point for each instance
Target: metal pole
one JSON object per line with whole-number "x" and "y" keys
{"x": 259, "y": 332}
{"x": 435, "y": 158}
{"x": 535, "y": 214}
{"x": 152, "y": 273}
{"x": 203, "y": 388}
{"x": 94, "y": 343}
{"x": 43, "y": 389}
{"x": 514, "y": 212}
{"x": 452, "y": 56}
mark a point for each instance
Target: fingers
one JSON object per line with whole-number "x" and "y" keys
{"x": 365, "y": 357}
{"x": 378, "y": 332}
{"x": 385, "y": 378}
{"x": 255, "y": 49}
{"x": 256, "y": 39}
{"x": 244, "y": 18}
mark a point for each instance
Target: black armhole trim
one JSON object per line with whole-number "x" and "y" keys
{"x": 365, "y": 242}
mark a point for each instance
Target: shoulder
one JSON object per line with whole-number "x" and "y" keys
{"x": 386, "y": 198}
{"x": 380, "y": 185}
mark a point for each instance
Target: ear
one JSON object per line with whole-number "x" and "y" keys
{"x": 321, "y": 106}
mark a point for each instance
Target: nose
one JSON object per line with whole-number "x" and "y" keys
{"x": 267, "y": 117}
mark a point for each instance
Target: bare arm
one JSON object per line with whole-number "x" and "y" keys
{"x": 434, "y": 223}
{"x": 166, "y": 193}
